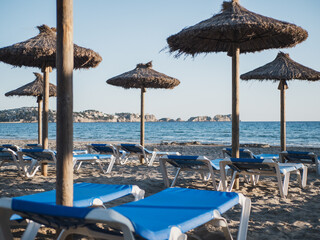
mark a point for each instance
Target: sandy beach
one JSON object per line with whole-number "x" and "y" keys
{"x": 272, "y": 217}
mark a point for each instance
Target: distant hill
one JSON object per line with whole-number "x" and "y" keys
{"x": 30, "y": 114}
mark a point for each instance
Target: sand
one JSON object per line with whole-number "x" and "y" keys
{"x": 272, "y": 217}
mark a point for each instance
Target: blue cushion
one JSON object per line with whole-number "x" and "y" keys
{"x": 91, "y": 156}
{"x": 102, "y": 148}
{"x": 5, "y": 155}
{"x": 83, "y": 194}
{"x": 131, "y": 148}
{"x": 32, "y": 150}
{"x": 186, "y": 209}
{"x": 184, "y": 157}
{"x": 48, "y": 209}
{"x": 247, "y": 160}
{"x": 298, "y": 155}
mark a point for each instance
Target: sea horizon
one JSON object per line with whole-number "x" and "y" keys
{"x": 299, "y": 133}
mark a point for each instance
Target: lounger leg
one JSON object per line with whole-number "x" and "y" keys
{"x": 78, "y": 167}
{"x": 153, "y": 157}
{"x": 257, "y": 178}
{"x": 175, "y": 177}
{"x": 245, "y": 213}
{"x": 285, "y": 186}
{"x": 222, "y": 222}
{"x": 119, "y": 158}
{"x": 232, "y": 181}
{"x": 317, "y": 166}
{"x": 112, "y": 161}
{"x": 248, "y": 179}
{"x": 213, "y": 178}
{"x": 164, "y": 173}
{"x": 304, "y": 176}
{"x": 297, "y": 172}
{"x": 16, "y": 162}
{"x": 124, "y": 160}
{"x": 286, "y": 183}
{"x": 31, "y": 231}
{"x": 92, "y": 234}
{"x": 137, "y": 192}
{"x": 223, "y": 177}
{"x": 97, "y": 161}
{"x": 80, "y": 230}
{"x": 176, "y": 234}
{"x": 35, "y": 166}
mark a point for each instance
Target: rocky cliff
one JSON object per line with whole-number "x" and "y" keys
{"x": 216, "y": 118}
{"x": 29, "y": 114}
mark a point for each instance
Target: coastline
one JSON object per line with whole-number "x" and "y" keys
{"x": 296, "y": 217}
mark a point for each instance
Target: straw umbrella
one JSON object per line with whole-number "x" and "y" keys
{"x": 40, "y": 52}
{"x": 235, "y": 30}
{"x": 35, "y": 89}
{"x": 281, "y": 69}
{"x": 143, "y": 76}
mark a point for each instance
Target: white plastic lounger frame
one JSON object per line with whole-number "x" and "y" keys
{"x": 304, "y": 157}
{"x": 107, "y": 149}
{"x": 189, "y": 163}
{"x": 95, "y": 159}
{"x": 9, "y": 156}
{"x": 137, "y": 149}
{"x": 266, "y": 167}
{"x": 39, "y": 146}
{"x": 80, "y": 220}
{"x": 246, "y": 153}
{"x": 118, "y": 221}
{"x": 33, "y": 227}
{"x": 46, "y": 155}
{"x": 13, "y": 147}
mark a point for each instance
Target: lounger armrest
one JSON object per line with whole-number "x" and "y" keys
{"x": 111, "y": 217}
{"x": 137, "y": 192}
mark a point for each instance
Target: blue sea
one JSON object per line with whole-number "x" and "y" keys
{"x": 298, "y": 133}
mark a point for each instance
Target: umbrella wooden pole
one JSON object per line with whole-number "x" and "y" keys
{"x": 45, "y": 113}
{"x": 235, "y": 106}
{"x": 143, "y": 90}
{"x": 64, "y": 62}
{"x": 235, "y": 102}
{"x": 39, "y": 101}
{"x": 45, "y": 116}
{"x": 282, "y": 87}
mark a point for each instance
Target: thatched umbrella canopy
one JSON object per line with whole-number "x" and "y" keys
{"x": 143, "y": 76}
{"x": 40, "y": 51}
{"x": 35, "y": 89}
{"x": 235, "y": 30}
{"x": 282, "y": 68}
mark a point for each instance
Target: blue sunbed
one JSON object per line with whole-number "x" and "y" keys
{"x": 46, "y": 155}
{"x": 168, "y": 214}
{"x": 263, "y": 167}
{"x": 246, "y": 153}
{"x": 137, "y": 149}
{"x": 190, "y": 163}
{"x": 84, "y": 195}
{"x": 304, "y": 157}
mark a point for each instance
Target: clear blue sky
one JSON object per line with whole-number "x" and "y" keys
{"x": 127, "y": 32}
